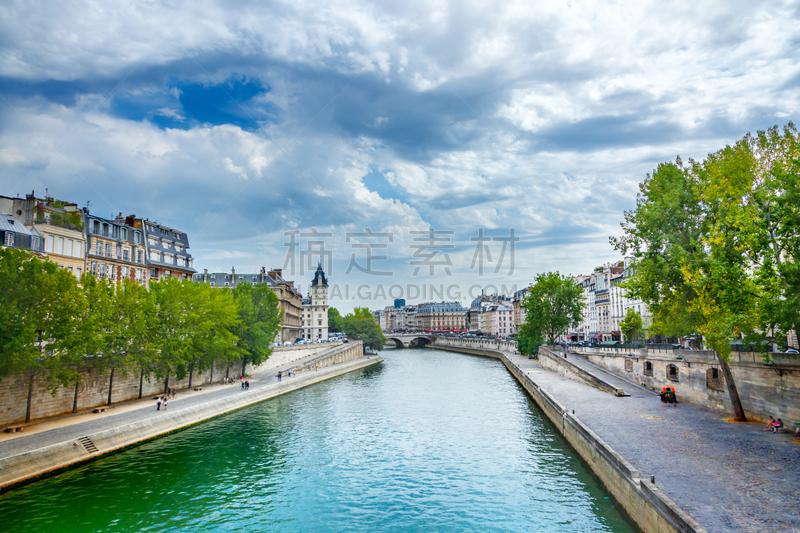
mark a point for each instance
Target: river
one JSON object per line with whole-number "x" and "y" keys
{"x": 426, "y": 441}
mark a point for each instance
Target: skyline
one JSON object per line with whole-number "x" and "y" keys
{"x": 238, "y": 122}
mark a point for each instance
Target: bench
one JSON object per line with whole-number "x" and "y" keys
{"x": 99, "y": 409}
{"x": 13, "y": 429}
{"x": 198, "y": 388}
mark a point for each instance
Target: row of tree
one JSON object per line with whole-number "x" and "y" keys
{"x": 54, "y": 328}
{"x": 358, "y": 325}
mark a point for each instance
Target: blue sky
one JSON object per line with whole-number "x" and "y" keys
{"x": 239, "y": 121}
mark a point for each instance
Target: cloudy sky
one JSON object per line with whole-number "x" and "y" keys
{"x": 239, "y": 121}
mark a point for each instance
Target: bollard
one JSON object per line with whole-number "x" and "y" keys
{"x": 573, "y": 411}
{"x": 652, "y": 479}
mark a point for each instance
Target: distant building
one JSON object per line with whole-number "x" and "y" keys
{"x": 315, "y": 308}
{"x": 399, "y": 302}
{"x": 502, "y": 320}
{"x": 289, "y": 298}
{"x": 441, "y": 316}
{"x": 14, "y": 234}
{"x": 167, "y": 250}
{"x": 114, "y": 249}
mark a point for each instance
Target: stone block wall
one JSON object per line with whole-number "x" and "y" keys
{"x": 93, "y": 391}
{"x": 762, "y": 389}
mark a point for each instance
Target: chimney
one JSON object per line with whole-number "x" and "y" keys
{"x": 278, "y": 271}
{"x": 272, "y": 275}
{"x": 205, "y": 275}
{"x": 233, "y": 275}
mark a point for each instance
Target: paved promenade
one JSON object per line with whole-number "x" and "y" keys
{"x": 728, "y": 477}
{"x": 71, "y": 428}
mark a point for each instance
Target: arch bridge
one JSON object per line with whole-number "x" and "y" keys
{"x": 409, "y": 340}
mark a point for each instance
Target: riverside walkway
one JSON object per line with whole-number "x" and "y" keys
{"x": 70, "y": 428}
{"x": 728, "y": 477}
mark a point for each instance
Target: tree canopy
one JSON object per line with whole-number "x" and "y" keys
{"x": 553, "y": 304}
{"x": 716, "y": 245}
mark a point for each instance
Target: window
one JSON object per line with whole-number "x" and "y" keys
{"x": 124, "y": 234}
{"x": 714, "y": 380}
{"x": 119, "y": 250}
{"x": 78, "y": 273}
{"x": 94, "y": 268}
{"x": 138, "y": 256}
{"x": 115, "y": 229}
{"x": 648, "y": 368}
{"x": 50, "y": 240}
{"x": 108, "y": 249}
{"x": 34, "y": 243}
{"x": 102, "y": 270}
{"x": 124, "y": 272}
{"x": 70, "y": 247}
{"x": 126, "y": 254}
{"x": 9, "y": 240}
{"x": 78, "y": 249}
{"x": 99, "y": 248}
{"x": 137, "y": 237}
{"x": 96, "y": 227}
{"x": 672, "y": 372}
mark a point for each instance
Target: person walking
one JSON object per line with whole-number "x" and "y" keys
{"x": 279, "y": 375}
{"x": 242, "y": 384}
{"x": 165, "y": 404}
{"x": 246, "y": 385}
{"x": 158, "y": 403}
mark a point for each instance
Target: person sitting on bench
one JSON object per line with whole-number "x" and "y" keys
{"x": 777, "y": 425}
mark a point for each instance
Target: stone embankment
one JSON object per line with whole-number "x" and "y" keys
{"x": 765, "y": 389}
{"x": 93, "y": 391}
{"x": 645, "y": 502}
{"x": 29, "y": 457}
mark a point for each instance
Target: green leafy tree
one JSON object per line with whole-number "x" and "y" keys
{"x": 687, "y": 268}
{"x": 335, "y": 321}
{"x": 260, "y": 316}
{"x": 360, "y": 325}
{"x": 553, "y": 304}
{"x": 39, "y": 303}
{"x": 528, "y": 341}
{"x": 169, "y": 329}
{"x": 631, "y": 325}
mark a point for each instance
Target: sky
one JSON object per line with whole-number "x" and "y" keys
{"x": 253, "y": 125}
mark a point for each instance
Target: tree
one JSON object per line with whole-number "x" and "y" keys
{"x": 260, "y": 316}
{"x": 360, "y": 325}
{"x": 687, "y": 267}
{"x": 631, "y": 325}
{"x": 553, "y": 304}
{"x": 168, "y": 327}
{"x": 39, "y": 303}
{"x": 528, "y": 341}
{"x": 335, "y": 321}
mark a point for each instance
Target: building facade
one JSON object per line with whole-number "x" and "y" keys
{"x": 114, "y": 249}
{"x": 167, "y": 250}
{"x": 315, "y": 308}
{"x": 502, "y": 320}
{"x": 444, "y": 316}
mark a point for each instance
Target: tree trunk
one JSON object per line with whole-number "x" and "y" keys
{"x": 141, "y": 383}
{"x": 75, "y": 398}
{"x": 191, "y": 372}
{"x": 244, "y": 363}
{"x": 30, "y": 397}
{"x": 738, "y": 410}
{"x": 228, "y": 371}
{"x": 110, "y": 385}
{"x": 166, "y": 385}
{"x": 211, "y": 379}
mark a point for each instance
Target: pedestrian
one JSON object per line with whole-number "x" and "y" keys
{"x": 770, "y": 424}
{"x": 158, "y": 404}
{"x": 279, "y": 375}
{"x": 165, "y": 404}
{"x": 242, "y": 385}
{"x": 246, "y": 385}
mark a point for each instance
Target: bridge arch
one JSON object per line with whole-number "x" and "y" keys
{"x": 398, "y": 343}
{"x": 408, "y": 341}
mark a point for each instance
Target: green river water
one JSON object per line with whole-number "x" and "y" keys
{"x": 426, "y": 441}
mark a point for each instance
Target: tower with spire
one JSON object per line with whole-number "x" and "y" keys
{"x": 315, "y": 308}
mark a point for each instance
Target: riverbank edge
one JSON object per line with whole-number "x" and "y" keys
{"x": 646, "y": 504}
{"x": 32, "y": 465}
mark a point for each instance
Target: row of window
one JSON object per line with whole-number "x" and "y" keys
{"x": 124, "y": 254}
{"x": 114, "y": 231}
{"x": 64, "y": 246}
{"x": 110, "y": 271}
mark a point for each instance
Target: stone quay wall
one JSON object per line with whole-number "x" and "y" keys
{"x": 646, "y": 504}
{"x": 697, "y": 378}
{"x": 93, "y": 391}
{"x": 34, "y": 463}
